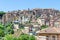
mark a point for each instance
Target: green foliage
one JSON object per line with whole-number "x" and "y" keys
{"x": 32, "y": 38}
{"x": 37, "y": 16}
{"x": 26, "y": 37}
{"x": 1, "y": 26}
{"x": 6, "y": 29}
{"x": 1, "y": 12}
{"x": 8, "y": 37}
{"x": 9, "y": 28}
{"x": 22, "y": 37}
{"x": 15, "y": 38}
{"x": 29, "y": 21}
{"x": 21, "y": 26}
{"x": 2, "y": 33}
{"x": 8, "y": 24}
{"x": 10, "y": 31}
{"x": 1, "y": 30}
{"x": 44, "y": 26}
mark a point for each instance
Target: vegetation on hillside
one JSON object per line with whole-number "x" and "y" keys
{"x": 1, "y": 30}
{"x": 21, "y": 37}
{"x": 5, "y": 30}
{"x": 43, "y": 26}
{"x": 2, "y": 12}
{"x": 21, "y": 26}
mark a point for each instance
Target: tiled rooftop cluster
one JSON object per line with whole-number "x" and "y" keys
{"x": 47, "y": 16}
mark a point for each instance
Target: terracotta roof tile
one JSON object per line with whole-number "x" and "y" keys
{"x": 50, "y": 30}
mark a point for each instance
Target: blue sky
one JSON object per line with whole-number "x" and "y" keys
{"x": 9, "y": 5}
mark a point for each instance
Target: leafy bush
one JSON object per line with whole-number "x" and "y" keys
{"x": 1, "y": 30}
{"x": 2, "y": 33}
{"x": 2, "y": 12}
{"x": 21, "y": 26}
{"x": 44, "y": 26}
{"x": 9, "y": 29}
{"x": 6, "y": 29}
{"x": 26, "y": 37}
{"x": 22, "y": 37}
{"x": 8, "y": 37}
{"x": 32, "y": 38}
{"x": 1, "y": 26}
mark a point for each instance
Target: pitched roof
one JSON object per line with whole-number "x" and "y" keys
{"x": 51, "y": 30}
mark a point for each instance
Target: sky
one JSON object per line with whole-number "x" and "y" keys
{"x": 10, "y": 5}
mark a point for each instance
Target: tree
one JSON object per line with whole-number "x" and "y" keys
{"x": 21, "y": 26}
{"x": 37, "y": 16}
{"x": 44, "y": 26}
{"x": 1, "y": 30}
{"x": 26, "y": 37}
{"x": 22, "y": 37}
{"x": 32, "y": 37}
{"x": 8, "y": 37}
{"x": 1, "y": 26}
{"x": 2, "y": 33}
{"x": 9, "y": 29}
{"x": 15, "y": 38}
{"x": 2, "y": 12}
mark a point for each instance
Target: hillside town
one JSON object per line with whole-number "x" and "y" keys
{"x": 44, "y": 24}
{"x": 48, "y": 17}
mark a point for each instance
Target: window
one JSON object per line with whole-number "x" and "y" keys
{"x": 33, "y": 13}
{"x": 57, "y": 24}
{"x": 53, "y": 37}
{"x": 43, "y": 21}
{"x": 47, "y": 38}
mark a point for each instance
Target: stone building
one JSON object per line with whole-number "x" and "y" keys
{"x": 50, "y": 33}
{"x": 31, "y": 14}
